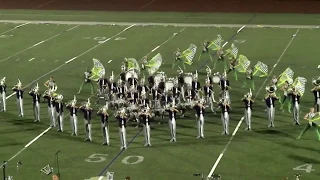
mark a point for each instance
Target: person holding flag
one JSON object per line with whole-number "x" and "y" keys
{"x": 178, "y": 59}
{"x": 311, "y": 117}
{"x": 3, "y": 90}
{"x": 87, "y": 74}
{"x": 249, "y": 79}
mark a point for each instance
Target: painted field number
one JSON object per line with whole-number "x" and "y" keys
{"x": 130, "y": 160}
{"x": 138, "y": 159}
{"x": 96, "y": 158}
{"x": 305, "y": 167}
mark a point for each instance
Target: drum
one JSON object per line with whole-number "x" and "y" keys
{"x": 216, "y": 78}
{"x": 188, "y": 78}
{"x": 169, "y": 85}
{"x": 131, "y": 73}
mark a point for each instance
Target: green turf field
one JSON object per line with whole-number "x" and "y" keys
{"x": 34, "y": 52}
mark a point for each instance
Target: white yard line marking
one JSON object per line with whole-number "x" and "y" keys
{"x": 15, "y": 28}
{"x": 146, "y": 5}
{"x": 46, "y": 3}
{"x": 241, "y": 120}
{"x": 72, "y": 59}
{"x": 90, "y": 23}
{"x": 38, "y": 44}
{"x": 31, "y": 59}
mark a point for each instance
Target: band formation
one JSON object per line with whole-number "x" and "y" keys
{"x": 132, "y": 98}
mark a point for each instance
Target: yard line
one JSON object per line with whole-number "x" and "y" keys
{"x": 90, "y": 23}
{"x": 15, "y": 28}
{"x": 72, "y": 59}
{"x": 39, "y": 43}
{"x": 138, "y": 133}
{"x": 241, "y": 120}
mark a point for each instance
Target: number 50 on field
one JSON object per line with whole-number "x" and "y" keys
{"x": 98, "y": 158}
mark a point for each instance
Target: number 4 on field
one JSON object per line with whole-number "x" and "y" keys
{"x": 305, "y": 167}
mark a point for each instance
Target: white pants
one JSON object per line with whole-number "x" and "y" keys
{"x": 225, "y": 122}
{"x": 271, "y": 112}
{"x": 172, "y": 127}
{"x": 200, "y": 125}
{"x": 3, "y": 102}
{"x": 105, "y": 132}
{"x": 60, "y": 121}
{"x": 296, "y": 112}
{"x": 74, "y": 124}
{"x": 87, "y": 127}
{"x": 146, "y": 130}
{"x": 52, "y": 115}
{"x": 123, "y": 139}
{"x": 20, "y": 106}
{"x": 36, "y": 111}
{"x": 247, "y": 117}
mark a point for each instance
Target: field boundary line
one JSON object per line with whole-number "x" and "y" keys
{"x": 38, "y": 43}
{"x": 258, "y": 92}
{"x": 293, "y": 26}
{"x": 16, "y": 27}
{"x": 138, "y": 133}
{"x": 72, "y": 59}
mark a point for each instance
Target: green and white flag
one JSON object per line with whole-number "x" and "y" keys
{"x": 216, "y": 44}
{"x": 154, "y": 64}
{"x": 260, "y": 69}
{"x": 242, "y": 64}
{"x": 188, "y": 55}
{"x": 287, "y": 75}
{"x": 300, "y": 84}
{"x": 133, "y": 64}
{"x": 232, "y": 52}
{"x": 97, "y": 71}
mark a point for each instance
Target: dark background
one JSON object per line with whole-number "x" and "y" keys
{"x": 261, "y": 6}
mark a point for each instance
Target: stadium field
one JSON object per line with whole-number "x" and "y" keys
{"x": 64, "y": 47}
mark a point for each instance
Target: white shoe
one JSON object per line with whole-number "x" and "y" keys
{"x": 121, "y": 147}
{"x": 198, "y": 137}
{"x": 171, "y": 140}
{"x": 146, "y": 144}
{"x": 149, "y": 144}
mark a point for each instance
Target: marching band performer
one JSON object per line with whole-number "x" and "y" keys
{"x": 232, "y": 66}
{"x": 316, "y": 93}
{"x": 248, "y": 102}
{"x": 287, "y": 91}
{"x": 112, "y": 85}
{"x": 172, "y": 121}
{"x": 19, "y": 92}
{"x": 225, "y": 109}
{"x": 122, "y": 118}
{"x": 189, "y": 94}
{"x": 59, "y": 109}
{"x": 249, "y": 79}
{"x": 144, "y": 101}
{"x": 104, "y": 124}
{"x": 178, "y": 59}
{"x": 209, "y": 73}
{"x": 73, "y": 116}
{"x": 123, "y": 73}
{"x": 103, "y": 83}
{"x": 49, "y": 95}
{"x": 274, "y": 80}
{"x": 270, "y": 99}
{"x": 225, "y": 86}
{"x": 133, "y": 82}
{"x": 144, "y": 61}
{"x": 87, "y": 80}
{"x": 195, "y": 84}
{"x": 50, "y": 83}
{"x": 205, "y": 49}
{"x": 142, "y": 87}
{"x": 3, "y": 90}
{"x": 176, "y": 90}
{"x": 87, "y": 112}
{"x": 145, "y": 116}
{"x": 36, "y": 102}
{"x": 296, "y": 106}
{"x": 311, "y": 118}
{"x": 200, "y": 109}
{"x": 208, "y": 93}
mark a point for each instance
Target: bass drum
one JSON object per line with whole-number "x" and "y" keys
{"x": 131, "y": 73}
{"x": 188, "y": 79}
{"x": 169, "y": 85}
{"x": 216, "y": 79}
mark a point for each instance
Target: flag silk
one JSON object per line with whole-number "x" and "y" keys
{"x": 300, "y": 84}
{"x": 188, "y": 55}
{"x": 287, "y": 75}
{"x": 260, "y": 69}
{"x": 97, "y": 71}
{"x": 154, "y": 64}
{"x": 133, "y": 64}
{"x": 232, "y": 52}
{"x": 242, "y": 64}
{"x": 216, "y": 44}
